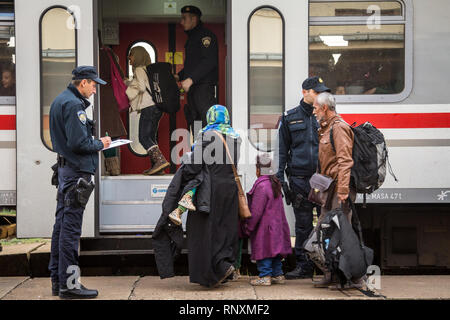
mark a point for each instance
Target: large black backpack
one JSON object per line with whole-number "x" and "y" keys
{"x": 370, "y": 158}
{"x": 165, "y": 91}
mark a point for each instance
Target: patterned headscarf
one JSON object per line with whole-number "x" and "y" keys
{"x": 219, "y": 119}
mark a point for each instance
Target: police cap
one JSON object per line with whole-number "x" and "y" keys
{"x": 191, "y": 9}
{"x": 86, "y": 72}
{"x": 316, "y": 84}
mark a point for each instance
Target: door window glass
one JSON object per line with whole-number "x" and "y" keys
{"x": 266, "y": 76}
{"x": 58, "y": 59}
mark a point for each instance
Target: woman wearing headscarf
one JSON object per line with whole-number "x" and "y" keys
{"x": 141, "y": 101}
{"x": 213, "y": 237}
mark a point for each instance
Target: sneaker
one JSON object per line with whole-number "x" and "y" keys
{"x": 299, "y": 273}
{"x": 278, "y": 279}
{"x": 262, "y": 281}
{"x": 175, "y": 216}
{"x": 186, "y": 202}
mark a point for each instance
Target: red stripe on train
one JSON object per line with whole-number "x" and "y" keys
{"x": 379, "y": 120}
{"x": 7, "y": 122}
{"x": 401, "y": 120}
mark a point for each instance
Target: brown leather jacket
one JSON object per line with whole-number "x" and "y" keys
{"x": 336, "y": 164}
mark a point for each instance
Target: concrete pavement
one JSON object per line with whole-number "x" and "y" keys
{"x": 179, "y": 288}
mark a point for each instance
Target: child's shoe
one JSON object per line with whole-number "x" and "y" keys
{"x": 263, "y": 281}
{"x": 175, "y": 216}
{"x": 186, "y": 202}
{"x": 278, "y": 279}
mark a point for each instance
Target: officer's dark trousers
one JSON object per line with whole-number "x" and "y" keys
{"x": 201, "y": 97}
{"x": 303, "y": 220}
{"x": 67, "y": 227}
{"x": 148, "y": 126}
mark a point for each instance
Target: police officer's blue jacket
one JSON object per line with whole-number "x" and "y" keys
{"x": 298, "y": 142}
{"x": 71, "y": 131}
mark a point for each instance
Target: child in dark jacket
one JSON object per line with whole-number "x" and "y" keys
{"x": 267, "y": 228}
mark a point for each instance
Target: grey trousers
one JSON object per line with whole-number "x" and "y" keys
{"x": 335, "y": 204}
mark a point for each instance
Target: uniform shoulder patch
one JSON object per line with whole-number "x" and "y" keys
{"x": 82, "y": 116}
{"x": 206, "y": 41}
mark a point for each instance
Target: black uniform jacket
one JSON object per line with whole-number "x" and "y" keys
{"x": 168, "y": 237}
{"x": 201, "y": 63}
{"x": 298, "y": 142}
{"x": 71, "y": 131}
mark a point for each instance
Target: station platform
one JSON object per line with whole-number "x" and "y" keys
{"x": 179, "y": 288}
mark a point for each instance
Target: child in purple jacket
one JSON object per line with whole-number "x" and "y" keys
{"x": 267, "y": 228}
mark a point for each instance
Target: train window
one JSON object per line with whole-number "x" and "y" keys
{"x": 362, "y": 49}
{"x": 265, "y": 76}
{"x": 7, "y": 54}
{"x": 133, "y": 117}
{"x": 58, "y": 59}
{"x": 352, "y": 8}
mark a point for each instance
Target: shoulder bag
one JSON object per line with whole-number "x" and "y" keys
{"x": 322, "y": 190}
{"x": 244, "y": 211}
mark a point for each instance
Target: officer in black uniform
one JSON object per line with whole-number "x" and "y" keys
{"x": 200, "y": 74}
{"x": 71, "y": 133}
{"x": 298, "y": 156}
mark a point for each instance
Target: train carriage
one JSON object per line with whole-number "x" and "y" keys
{"x": 386, "y": 61}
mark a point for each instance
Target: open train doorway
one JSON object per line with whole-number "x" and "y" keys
{"x": 129, "y": 202}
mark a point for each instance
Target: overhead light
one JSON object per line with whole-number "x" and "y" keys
{"x": 336, "y": 57}
{"x": 334, "y": 41}
{"x": 12, "y": 42}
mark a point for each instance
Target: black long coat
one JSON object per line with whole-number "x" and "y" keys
{"x": 168, "y": 237}
{"x": 213, "y": 237}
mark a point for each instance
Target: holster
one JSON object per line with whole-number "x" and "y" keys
{"x": 287, "y": 192}
{"x": 298, "y": 200}
{"x": 55, "y": 181}
{"x": 83, "y": 191}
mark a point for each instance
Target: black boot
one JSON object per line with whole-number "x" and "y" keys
{"x": 82, "y": 293}
{"x": 55, "y": 288}
{"x": 299, "y": 273}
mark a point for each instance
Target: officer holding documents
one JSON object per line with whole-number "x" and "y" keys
{"x": 72, "y": 134}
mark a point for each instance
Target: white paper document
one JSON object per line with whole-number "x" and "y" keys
{"x": 118, "y": 143}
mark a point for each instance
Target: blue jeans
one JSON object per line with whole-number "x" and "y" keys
{"x": 148, "y": 126}
{"x": 270, "y": 267}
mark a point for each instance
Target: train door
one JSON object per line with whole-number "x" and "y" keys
{"x": 52, "y": 37}
{"x": 269, "y": 61}
{"x": 131, "y": 202}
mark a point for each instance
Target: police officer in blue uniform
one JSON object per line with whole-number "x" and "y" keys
{"x": 72, "y": 134}
{"x": 200, "y": 73}
{"x": 298, "y": 157}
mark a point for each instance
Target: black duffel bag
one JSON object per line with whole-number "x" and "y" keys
{"x": 338, "y": 246}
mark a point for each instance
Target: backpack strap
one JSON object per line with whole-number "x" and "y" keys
{"x": 331, "y": 136}
{"x": 355, "y": 221}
